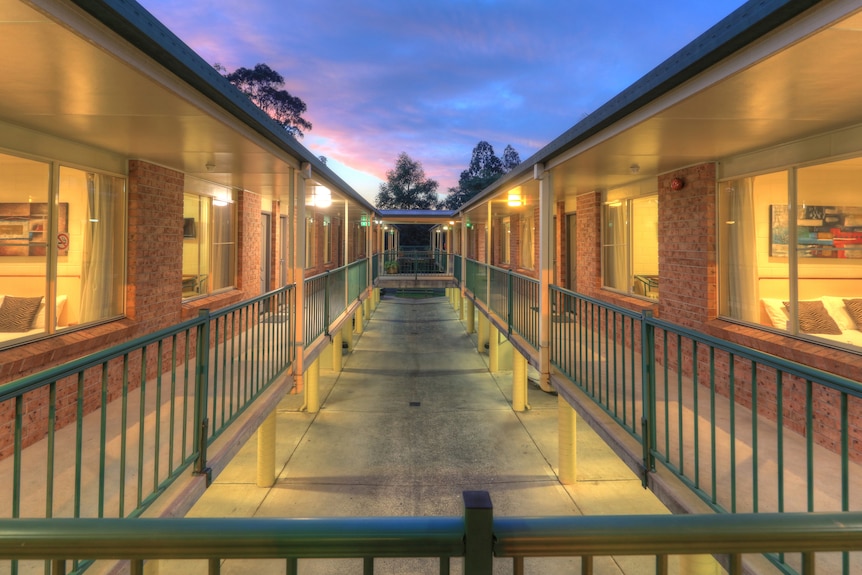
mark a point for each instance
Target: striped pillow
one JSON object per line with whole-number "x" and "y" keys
{"x": 854, "y": 309}
{"x": 17, "y": 313}
{"x": 813, "y": 318}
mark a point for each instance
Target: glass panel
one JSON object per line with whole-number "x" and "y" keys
{"x": 25, "y": 236}
{"x": 527, "y": 236}
{"x": 753, "y": 245}
{"x": 614, "y": 246}
{"x": 644, "y": 246}
{"x": 96, "y": 247}
{"x": 829, "y": 250}
{"x": 223, "y": 247}
{"x": 327, "y": 240}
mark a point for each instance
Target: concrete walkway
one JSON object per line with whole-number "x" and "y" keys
{"x": 412, "y": 420}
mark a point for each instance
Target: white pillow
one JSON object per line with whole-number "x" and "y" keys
{"x": 39, "y": 320}
{"x": 835, "y": 307}
{"x": 777, "y": 312}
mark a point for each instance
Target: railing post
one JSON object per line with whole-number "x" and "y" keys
{"x": 201, "y": 423}
{"x": 509, "y": 298}
{"x": 478, "y": 533}
{"x": 648, "y": 417}
{"x": 326, "y": 302}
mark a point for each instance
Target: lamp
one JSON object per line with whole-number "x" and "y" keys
{"x": 515, "y": 198}
{"x": 634, "y": 168}
{"x": 321, "y": 197}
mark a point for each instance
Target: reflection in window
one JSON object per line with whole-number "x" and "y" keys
{"x": 630, "y": 245}
{"x": 527, "y": 234}
{"x": 61, "y": 257}
{"x": 209, "y": 245}
{"x": 790, "y": 250}
{"x": 506, "y": 241}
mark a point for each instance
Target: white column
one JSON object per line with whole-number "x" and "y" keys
{"x": 546, "y": 238}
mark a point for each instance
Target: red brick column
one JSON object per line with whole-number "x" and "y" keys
{"x": 687, "y": 246}
{"x": 248, "y": 244}
{"x": 589, "y": 246}
{"x": 155, "y": 250}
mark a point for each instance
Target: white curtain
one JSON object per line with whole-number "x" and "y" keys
{"x": 743, "y": 299}
{"x": 614, "y": 262}
{"x": 99, "y": 273}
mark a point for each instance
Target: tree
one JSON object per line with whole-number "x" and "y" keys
{"x": 407, "y": 188}
{"x": 510, "y": 159}
{"x": 263, "y": 86}
{"x": 485, "y": 168}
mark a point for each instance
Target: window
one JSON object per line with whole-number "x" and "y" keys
{"x": 310, "y": 243}
{"x": 505, "y": 240}
{"x": 790, "y": 250}
{"x": 209, "y": 241}
{"x": 630, "y": 243}
{"x": 527, "y": 236}
{"x": 327, "y": 240}
{"x": 61, "y": 256}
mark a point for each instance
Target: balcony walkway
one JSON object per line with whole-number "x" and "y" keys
{"x": 412, "y": 420}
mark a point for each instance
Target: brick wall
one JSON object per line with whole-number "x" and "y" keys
{"x": 589, "y": 243}
{"x": 687, "y": 246}
{"x": 155, "y": 261}
{"x": 248, "y": 244}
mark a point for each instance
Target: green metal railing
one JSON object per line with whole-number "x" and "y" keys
{"x": 512, "y": 297}
{"x": 104, "y": 435}
{"x": 477, "y": 538}
{"x": 747, "y": 431}
{"x": 417, "y": 262}
{"x": 328, "y": 295}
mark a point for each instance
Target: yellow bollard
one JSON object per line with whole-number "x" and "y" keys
{"x": 471, "y": 316}
{"x": 482, "y": 338}
{"x": 366, "y": 307}
{"x": 360, "y": 320}
{"x": 519, "y": 381}
{"x": 347, "y": 335}
{"x": 460, "y": 304}
{"x": 337, "y": 355}
{"x": 266, "y": 452}
{"x": 567, "y": 426}
{"x": 312, "y": 387}
{"x": 493, "y": 349}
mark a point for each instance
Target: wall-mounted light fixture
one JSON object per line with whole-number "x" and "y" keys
{"x": 321, "y": 197}
{"x": 515, "y": 198}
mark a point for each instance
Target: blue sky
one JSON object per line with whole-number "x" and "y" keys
{"x": 434, "y": 77}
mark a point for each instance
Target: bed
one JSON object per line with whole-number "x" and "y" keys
{"x": 834, "y": 318}
{"x": 11, "y": 326}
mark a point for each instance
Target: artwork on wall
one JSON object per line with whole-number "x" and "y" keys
{"x": 821, "y": 231}
{"x": 24, "y": 229}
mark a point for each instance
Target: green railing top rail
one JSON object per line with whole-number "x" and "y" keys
{"x": 831, "y": 380}
{"x": 558, "y": 536}
{"x": 36, "y": 380}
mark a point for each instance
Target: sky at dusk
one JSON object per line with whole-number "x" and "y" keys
{"x": 433, "y": 78}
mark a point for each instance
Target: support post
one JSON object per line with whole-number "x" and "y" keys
{"x": 493, "y": 348}
{"x": 546, "y": 274}
{"x": 335, "y": 348}
{"x": 471, "y": 315}
{"x": 347, "y": 335}
{"x": 266, "y": 451}
{"x": 567, "y": 426}
{"x": 519, "y": 381}
{"x": 359, "y": 322}
{"x": 312, "y": 387}
{"x": 484, "y": 326}
{"x": 479, "y": 533}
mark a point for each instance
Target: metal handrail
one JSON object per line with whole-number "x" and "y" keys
{"x": 477, "y": 537}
